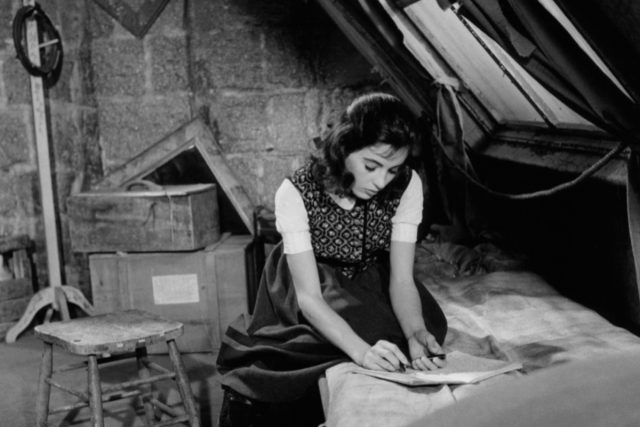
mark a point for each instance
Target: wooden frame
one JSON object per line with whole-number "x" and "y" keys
{"x": 193, "y": 135}
{"x": 137, "y": 22}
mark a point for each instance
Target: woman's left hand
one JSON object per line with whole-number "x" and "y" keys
{"x": 422, "y": 346}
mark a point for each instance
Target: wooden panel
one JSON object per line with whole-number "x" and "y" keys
{"x": 165, "y": 220}
{"x": 205, "y": 290}
{"x": 175, "y": 286}
{"x": 105, "y": 284}
{"x": 231, "y": 261}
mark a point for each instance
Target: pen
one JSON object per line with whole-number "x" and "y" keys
{"x": 403, "y": 367}
{"x": 441, "y": 356}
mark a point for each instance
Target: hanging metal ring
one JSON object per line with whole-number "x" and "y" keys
{"x": 51, "y": 42}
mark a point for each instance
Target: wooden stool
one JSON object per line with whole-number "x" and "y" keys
{"x": 106, "y": 338}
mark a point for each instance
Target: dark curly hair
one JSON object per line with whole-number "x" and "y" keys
{"x": 370, "y": 119}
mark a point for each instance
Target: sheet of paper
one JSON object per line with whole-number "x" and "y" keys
{"x": 461, "y": 368}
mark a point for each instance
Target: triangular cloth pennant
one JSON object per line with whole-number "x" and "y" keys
{"x": 136, "y": 20}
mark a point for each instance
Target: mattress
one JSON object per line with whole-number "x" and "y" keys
{"x": 496, "y": 308}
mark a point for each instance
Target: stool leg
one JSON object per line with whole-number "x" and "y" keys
{"x": 143, "y": 373}
{"x": 44, "y": 388}
{"x": 183, "y": 385}
{"x": 95, "y": 393}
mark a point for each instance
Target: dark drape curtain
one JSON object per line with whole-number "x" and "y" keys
{"x": 454, "y": 188}
{"x": 534, "y": 38}
{"x": 613, "y": 30}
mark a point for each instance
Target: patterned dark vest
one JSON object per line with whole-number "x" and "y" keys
{"x": 350, "y": 239}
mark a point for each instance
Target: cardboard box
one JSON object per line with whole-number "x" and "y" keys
{"x": 204, "y": 289}
{"x": 175, "y": 218}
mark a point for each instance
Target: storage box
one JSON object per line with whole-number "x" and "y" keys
{"x": 175, "y": 218}
{"x": 204, "y": 289}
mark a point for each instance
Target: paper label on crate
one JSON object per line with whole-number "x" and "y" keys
{"x": 175, "y": 289}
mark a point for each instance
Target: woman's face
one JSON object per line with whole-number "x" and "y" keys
{"x": 374, "y": 167}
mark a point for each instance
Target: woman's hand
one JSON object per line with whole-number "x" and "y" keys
{"x": 422, "y": 345}
{"x": 384, "y": 356}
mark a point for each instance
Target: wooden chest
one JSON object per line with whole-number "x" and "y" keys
{"x": 175, "y": 218}
{"x": 204, "y": 289}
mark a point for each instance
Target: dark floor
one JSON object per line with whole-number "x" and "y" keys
{"x": 19, "y": 366}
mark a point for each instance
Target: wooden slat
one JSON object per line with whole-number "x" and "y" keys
{"x": 44, "y": 162}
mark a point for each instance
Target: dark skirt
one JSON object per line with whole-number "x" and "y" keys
{"x": 275, "y": 355}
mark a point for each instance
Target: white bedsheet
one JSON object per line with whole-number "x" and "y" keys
{"x": 510, "y": 315}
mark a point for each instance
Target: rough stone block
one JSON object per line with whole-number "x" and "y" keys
{"x": 276, "y": 169}
{"x": 169, "y": 64}
{"x": 287, "y": 122}
{"x": 262, "y": 175}
{"x": 65, "y": 140}
{"x": 334, "y": 103}
{"x": 83, "y": 91}
{"x": 287, "y": 61}
{"x": 75, "y": 140}
{"x": 63, "y": 183}
{"x": 17, "y": 200}
{"x": 339, "y": 62}
{"x": 72, "y": 20}
{"x": 201, "y": 78}
{"x": 101, "y": 25}
{"x": 119, "y": 67}
{"x": 14, "y": 139}
{"x": 242, "y": 118}
{"x": 249, "y": 169}
{"x": 170, "y": 20}
{"x": 60, "y": 89}
{"x": 313, "y": 112}
{"x": 129, "y": 126}
{"x": 250, "y": 12}
{"x": 233, "y": 59}
{"x": 208, "y": 15}
{"x": 92, "y": 166}
{"x": 6, "y": 16}
{"x": 16, "y": 82}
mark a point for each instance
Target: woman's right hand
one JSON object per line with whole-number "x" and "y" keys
{"x": 384, "y": 356}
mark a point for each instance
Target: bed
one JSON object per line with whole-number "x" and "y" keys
{"x": 496, "y": 308}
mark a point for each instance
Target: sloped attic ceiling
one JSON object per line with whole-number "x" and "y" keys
{"x": 613, "y": 30}
{"x": 492, "y": 104}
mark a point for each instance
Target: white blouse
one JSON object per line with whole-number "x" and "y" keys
{"x": 292, "y": 220}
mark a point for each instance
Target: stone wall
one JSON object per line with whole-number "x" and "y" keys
{"x": 267, "y": 77}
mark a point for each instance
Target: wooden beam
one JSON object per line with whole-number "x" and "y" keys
{"x": 56, "y": 296}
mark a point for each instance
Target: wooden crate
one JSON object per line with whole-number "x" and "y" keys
{"x": 204, "y": 289}
{"x": 175, "y": 218}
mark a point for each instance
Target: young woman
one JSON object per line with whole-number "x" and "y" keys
{"x": 340, "y": 285}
